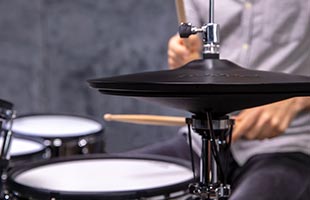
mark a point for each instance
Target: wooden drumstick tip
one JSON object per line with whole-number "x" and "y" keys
{"x": 107, "y": 117}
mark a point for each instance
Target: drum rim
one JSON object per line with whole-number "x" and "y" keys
{"x": 36, "y": 140}
{"x": 63, "y": 137}
{"x": 37, "y": 193}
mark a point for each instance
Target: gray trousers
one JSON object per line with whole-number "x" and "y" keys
{"x": 277, "y": 176}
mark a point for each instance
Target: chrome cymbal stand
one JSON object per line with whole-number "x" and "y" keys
{"x": 210, "y": 32}
{"x": 216, "y": 138}
{"x": 6, "y": 120}
{"x": 215, "y": 133}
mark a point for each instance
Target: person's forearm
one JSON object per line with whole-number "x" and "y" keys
{"x": 303, "y": 103}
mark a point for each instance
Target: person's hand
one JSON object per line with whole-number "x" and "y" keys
{"x": 267, "y": 121}
{"x": 182, "y": 51}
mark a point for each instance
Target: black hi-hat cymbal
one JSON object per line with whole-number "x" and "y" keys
{"x": 210, "y": 85}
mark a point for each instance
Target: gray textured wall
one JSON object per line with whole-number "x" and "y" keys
{"x": 49, "y": 48}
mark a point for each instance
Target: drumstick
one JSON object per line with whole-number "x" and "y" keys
{"x": 147, "y": 119}
{"x": 180, "y": 11}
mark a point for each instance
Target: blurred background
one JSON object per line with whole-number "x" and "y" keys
{"x": 49, "y": 48}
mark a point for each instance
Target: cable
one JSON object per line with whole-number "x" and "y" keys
{"x": 191, "y": 147}
{"x": 214, "y": 148}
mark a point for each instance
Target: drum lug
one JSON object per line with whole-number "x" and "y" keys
{"x": 57, "y": 142}
{"x": 47, "y": 154}
{"x": 83, "y": 144}
{"x": 47, "y": 143}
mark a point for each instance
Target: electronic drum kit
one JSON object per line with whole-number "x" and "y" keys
{"x": 209, "y": 88}
{"x": 28, "y": 139}
{"x": 59, "y": 156}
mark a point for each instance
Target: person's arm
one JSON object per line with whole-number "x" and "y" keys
{"x": 182, "y": 51}
{"x": 269, "y": 120}
{"x": 304, "y": 102}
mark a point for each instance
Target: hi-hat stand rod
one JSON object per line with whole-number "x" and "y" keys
{"x": 205, "y": 161}
{"x": 211, "y": 11}
{"x": 212, "y": 183}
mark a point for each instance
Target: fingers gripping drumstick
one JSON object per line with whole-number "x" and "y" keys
{"x": 147, "y": 119}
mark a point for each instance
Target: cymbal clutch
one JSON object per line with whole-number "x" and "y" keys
{"x": 210, "y": 32}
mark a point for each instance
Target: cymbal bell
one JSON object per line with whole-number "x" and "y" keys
{"x": 217, "y": 86}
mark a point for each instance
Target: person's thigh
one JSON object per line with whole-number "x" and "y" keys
{"x": 281, "y": 176}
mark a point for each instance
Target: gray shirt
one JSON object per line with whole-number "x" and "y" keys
{"x": 269, "y": 35}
